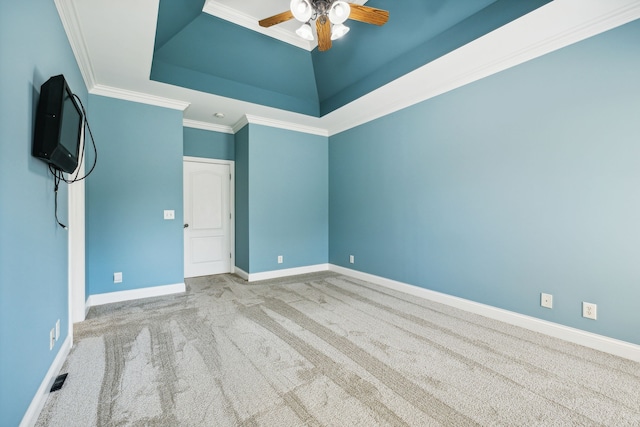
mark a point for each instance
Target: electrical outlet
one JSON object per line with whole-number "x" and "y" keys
{"x": 352, "y": 259}
{"x": 280, "y": 259}
{"x": 117, "y": 277}
{"x": 57, "y": 329}
{"x": 589, "y": 310}
{"x": 546, "y": 300}
{"x": 52, "y": 338}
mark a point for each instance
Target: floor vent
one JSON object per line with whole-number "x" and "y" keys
{"x": 57, "y": 384}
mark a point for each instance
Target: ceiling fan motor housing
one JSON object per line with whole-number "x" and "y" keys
{"x": 306, "y": 10}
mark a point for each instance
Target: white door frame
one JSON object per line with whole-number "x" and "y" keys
{"x": 77, "y": 246}
{"x": 77, "y": 252}
{"x": 232, "y": 205}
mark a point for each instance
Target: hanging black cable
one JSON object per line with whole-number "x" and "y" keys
{"x": 56, "y": 182}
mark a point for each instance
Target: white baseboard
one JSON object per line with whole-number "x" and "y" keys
{"x": 240, "y": 272}
{"x": 133, "y": 294}
{"x": 37, "y": 403}
{"x": 276, "y": 274}
{"x": 576, "y": 336}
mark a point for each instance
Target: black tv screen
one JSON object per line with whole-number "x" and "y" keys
{"x": 58, "y": 128}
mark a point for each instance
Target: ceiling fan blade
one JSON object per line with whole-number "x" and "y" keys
{"x": 276, "y": 19}
{"x": 369, "y": 15}
{"x": 324, "y": 33}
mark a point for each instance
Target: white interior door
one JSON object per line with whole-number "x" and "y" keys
{"x": 207, "y": 218}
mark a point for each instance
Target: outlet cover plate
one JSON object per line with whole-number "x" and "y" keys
{"x": 546, "y": 300}
{"x": 590, "y": 310}
{"x": 117, "y": 277}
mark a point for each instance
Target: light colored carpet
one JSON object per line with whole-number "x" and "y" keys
{"x": 327, "y": 350}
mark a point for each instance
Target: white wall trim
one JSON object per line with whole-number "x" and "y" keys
{"x": 276, "y": 274}
{"x": 143, "y": 98}
{"x": 242, "y": 122}
{"x": 188, "y": 123}
{"x": 71, "y": 24}
{"x": 37, "y": 403}
{"x": 280, "y": 124}
{"x": 241, "y": 273}
{"x": 576, "y": 336}
{"x": 77, "y": 246}
{"x": 208, "y": 160}
{"x": 285, "y": 125}
{"x": 133, "y": 294}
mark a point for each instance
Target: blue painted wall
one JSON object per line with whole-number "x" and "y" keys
{"x": 208, "y": 144}
{"x": 286, "y": 197}
{"x": 521, "y": 183}
{"x": 139, "y": 175}
{"x": 33, "y": 248}
{"x": 242, "y": 198}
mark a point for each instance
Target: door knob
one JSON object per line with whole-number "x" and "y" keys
{"x": 186, "y": 226}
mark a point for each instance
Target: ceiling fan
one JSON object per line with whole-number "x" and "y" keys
{"x": 329, "y": 15}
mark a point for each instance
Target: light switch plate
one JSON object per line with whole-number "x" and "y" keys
{"x": 169, "y": 214}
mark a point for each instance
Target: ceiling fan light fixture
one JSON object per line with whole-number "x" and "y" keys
{"x": 338, "y": 31}
{"x": 301, "y": 10}
{"x": 305, "y": 32}
{"x": 328, "y": 16}
{"x": 339, "y": 12}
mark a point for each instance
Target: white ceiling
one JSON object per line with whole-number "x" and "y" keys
{"x": 113, "y": 41}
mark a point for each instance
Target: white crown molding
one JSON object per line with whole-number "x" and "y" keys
{"x": 257, "y": 120}
{"x": 549, "y": 28}
{"x": 577, "y": 336}
{"x": 239, "y": 18}
{"x": 242, "y": 122}
{"x": 143, "y": 98}
{"x": 70, "y": 22}
{"x": 188, "y": 123}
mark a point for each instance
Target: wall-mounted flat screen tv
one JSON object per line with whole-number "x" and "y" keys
{"x": 58, "y": 129}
